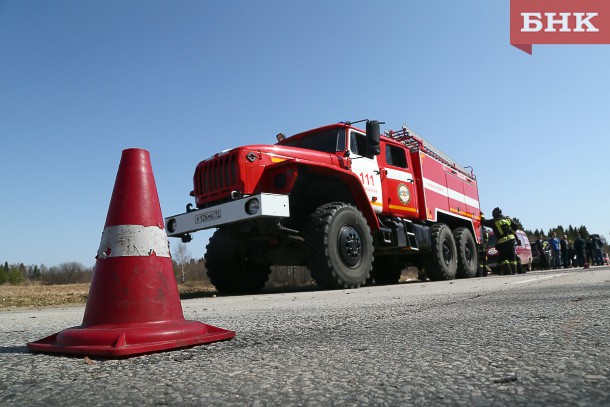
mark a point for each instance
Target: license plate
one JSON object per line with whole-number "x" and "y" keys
{"x": 208, "y": 216}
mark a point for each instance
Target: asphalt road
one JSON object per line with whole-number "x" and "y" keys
{"x": 539, "y": 339}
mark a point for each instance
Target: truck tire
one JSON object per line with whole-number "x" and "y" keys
{"x": 387, "y": 270}
{"x": 466, "y": 252}
{"x": 442, "y": 262}
{"x": 339, "y": 246}
{"x": 232, "y": 267}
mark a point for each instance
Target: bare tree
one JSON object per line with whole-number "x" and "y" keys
{"x": 181, "y": 257}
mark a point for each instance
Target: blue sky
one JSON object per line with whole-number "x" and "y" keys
{"x": 82, "y": 80}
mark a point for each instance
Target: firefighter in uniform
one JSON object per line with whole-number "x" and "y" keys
{"x": 505, "y": 230}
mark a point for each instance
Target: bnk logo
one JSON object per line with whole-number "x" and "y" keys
{"x": 559, "y": 22}
{"x": 532, "y": 22}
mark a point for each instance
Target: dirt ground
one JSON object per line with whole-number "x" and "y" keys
{"x": 35, "y": 295}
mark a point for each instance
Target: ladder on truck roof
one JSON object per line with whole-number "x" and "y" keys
{"x": 415, "y": 142}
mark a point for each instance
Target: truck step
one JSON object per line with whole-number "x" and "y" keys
{"x": 410, "y": 231}
{"x": 387, "y": 235}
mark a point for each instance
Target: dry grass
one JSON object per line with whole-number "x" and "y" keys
{"x": 38, "y": 295}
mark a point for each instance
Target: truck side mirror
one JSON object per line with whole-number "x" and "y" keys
{"x": 372, "y": 138}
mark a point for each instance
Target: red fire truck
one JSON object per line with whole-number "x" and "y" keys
{"x": 353, "y": 206}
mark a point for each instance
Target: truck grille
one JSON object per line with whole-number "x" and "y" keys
{"x": 215, "y": 178}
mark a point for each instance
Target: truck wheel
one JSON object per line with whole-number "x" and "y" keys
{"x": 339, "y": 246}
{"x": 442, "y": 263}
{"x": 466, "y": 252}
{"x": 387, "y": 270}
{"x": 232, "y": 267}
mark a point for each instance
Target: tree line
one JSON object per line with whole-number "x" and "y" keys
{"x": 65, "y": 273}
{"x": 570, "y": 232}
{"x": 76, "y": 273}
{"x": 188, "y": 269}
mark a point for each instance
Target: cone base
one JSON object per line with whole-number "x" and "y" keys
{"x": 131, "y": 339}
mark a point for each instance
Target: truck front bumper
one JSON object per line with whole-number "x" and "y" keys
{"x": 248, "y": 208}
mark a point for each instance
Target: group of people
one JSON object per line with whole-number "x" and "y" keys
{"x": 564, "y": 253}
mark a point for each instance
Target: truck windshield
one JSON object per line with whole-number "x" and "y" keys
{"x": 330, "y": 141}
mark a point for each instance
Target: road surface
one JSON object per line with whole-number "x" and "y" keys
{"x": 537, "y": 339}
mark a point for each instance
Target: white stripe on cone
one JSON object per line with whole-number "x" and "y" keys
{"x": 133, "y": 240}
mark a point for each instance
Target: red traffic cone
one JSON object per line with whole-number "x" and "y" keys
{"x": 133, "y": 305}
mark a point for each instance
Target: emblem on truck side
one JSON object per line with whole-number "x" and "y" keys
{"x": 208, "y": 216}
{"x": 403, "y": 194}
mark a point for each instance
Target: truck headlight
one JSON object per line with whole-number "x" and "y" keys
{"x": 253, "y": 206}
{"x": 171, "y": 225}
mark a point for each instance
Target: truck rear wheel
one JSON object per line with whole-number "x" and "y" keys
{"x": 233, "y": 267}
{"x": 466, "y": 252}
{"x": 387, "y": 270}
{"x": 339, "y": 246}
{"x": 442, "y": 263}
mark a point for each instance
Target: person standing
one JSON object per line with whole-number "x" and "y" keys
{"x": 555, "y": 251}
{"x": 571, "y": 254}
{"x": 564, "y": 246}
{"x": 589, "y": 250}
{"x": 579, "y": 247}
{"x": 504, "y": 229}
{"x": 539, "y": 245}
{"x": 597, "y": 250}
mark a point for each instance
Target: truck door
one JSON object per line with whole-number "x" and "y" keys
{"x": 366, "y": 169}
{"x": 398, "y": 181}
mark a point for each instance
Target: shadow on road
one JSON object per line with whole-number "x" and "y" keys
{"x": 265, "y": 290}
{"x": 13, "y": 349}
{"x": 283, "y": 289}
